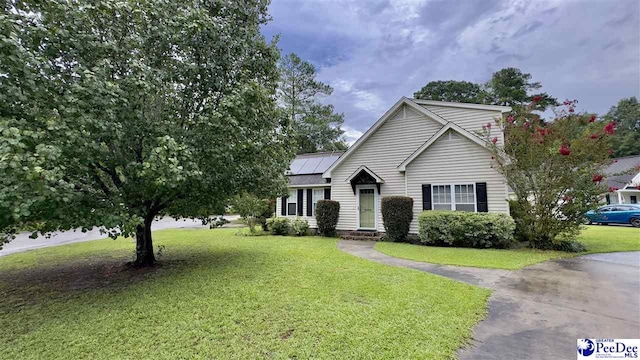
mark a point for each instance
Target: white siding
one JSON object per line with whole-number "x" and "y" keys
{"x": 310, "y": 219}
{"x": 382, "y": 152}
{"x": 469, "y": 119}
{"x": 455, "y": 160}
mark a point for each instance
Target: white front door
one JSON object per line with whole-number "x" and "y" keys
{"x": 367, "y": 207}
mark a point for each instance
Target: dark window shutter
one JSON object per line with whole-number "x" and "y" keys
{"x": 608, "y": 199}
{"x": 309, "y": 202}
{"x": 327, "y": 194}
{"x": 283, "y": 204}
{"x": 481, "y": 197}
{"x": 426, "y": 197}
{"x": 300, "y": 197}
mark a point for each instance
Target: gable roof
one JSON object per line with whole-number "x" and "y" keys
{"x": 377, "y": 178}
{"x": 436, "y": 136}
{"x": 502, "y": 109}
{"x": 414, "y": 105}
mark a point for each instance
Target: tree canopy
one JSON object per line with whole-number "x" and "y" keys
{"x": 316, "y": 126}
{"x": 113, "y": 113}
{"x": 509, "y": 86}
{"x": 626, "y": 115}
{"x": 452, "y": 90}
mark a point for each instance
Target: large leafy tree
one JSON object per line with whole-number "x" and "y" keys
{"x": 452, "y": 90}
{"x": 554, "y": 169}
{"x": 509, "y": 86}
{"x": 316, "y": 126}
{"x": 626, "y": 115}
{"x": 115, "y": 112}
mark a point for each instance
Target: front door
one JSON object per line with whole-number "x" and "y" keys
{"x": 366, "y": 209}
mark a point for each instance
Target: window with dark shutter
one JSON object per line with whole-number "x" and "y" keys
{"x": 309, "y": 202}
{"x": 481, "y": 197}
{"x": 283, "y": 205}
{"x": 327, "y": 194}
{"x": 426, "y": 197}
{"x": 300, "y": 198}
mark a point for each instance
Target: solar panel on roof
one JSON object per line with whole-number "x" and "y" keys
{"x": 312, "y": 163}
{"x": 296, "y": 165}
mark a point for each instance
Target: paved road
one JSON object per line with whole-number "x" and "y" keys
{"x": 22, "y": 242}
{"x": 540, "y": 311}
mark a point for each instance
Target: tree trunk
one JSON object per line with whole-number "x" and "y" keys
{"x": 144, "y": 244}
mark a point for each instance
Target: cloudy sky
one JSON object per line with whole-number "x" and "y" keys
{"x": 372, "y": 52}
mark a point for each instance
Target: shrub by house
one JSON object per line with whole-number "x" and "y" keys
{"x": 466, "y": 229}
{"x": 327, "y": 212}
{"x": 397, "y": 212}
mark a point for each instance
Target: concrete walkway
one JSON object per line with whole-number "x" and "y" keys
{"x": 540, "y": 311}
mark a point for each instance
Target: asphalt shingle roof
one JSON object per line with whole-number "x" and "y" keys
{"x": 622, "y": 165}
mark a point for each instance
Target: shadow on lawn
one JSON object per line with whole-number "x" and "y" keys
{"x": 99, "y": 274}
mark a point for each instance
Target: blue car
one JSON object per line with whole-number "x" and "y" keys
{"x": 615, "y": 214}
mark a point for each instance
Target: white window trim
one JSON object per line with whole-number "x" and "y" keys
{"x": 314, "y": 200}
{"x": 453, "y": 195}
{"x": 295, "y": 201}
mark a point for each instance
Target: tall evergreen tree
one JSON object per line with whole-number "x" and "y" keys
{"x": 316, "y": 127}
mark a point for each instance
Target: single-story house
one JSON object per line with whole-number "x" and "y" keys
{"x": 623, "y": 179}
{"x": 427, "y": 150}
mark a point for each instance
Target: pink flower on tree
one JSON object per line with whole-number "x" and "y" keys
{"x": 612, "y": 189}
{"x": 610, "y": 128}
{"x": 592, "y": 119}
{"x": 510, "y": 119}
{"x": 597, "y": 178}
{"x": 494, "y": 140}
{"x": 564, "y": 150}
{"x": 537, "y": 99}
{"x": 594, "y": 136}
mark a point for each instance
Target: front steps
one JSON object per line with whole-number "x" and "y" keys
{"x": 362, "y": 235}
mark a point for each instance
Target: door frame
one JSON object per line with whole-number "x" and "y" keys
{"x": 375, "y": 206}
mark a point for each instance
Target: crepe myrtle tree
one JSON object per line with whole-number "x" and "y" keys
{"x": 113, "y": 113}
{"x": 553, "y": 167}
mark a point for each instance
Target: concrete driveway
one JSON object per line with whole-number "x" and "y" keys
{"x": 540, "y": 311}
{"x": 22, "y": 242}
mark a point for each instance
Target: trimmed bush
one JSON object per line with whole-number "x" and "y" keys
{"x": 278, "y": 225}
{"x": 327, "y": 212}
{"x": 568, "y": 246}
{"x": 299, "y": 227}
{"x": 397, "y": 212}
{"x": 466, "y": 229}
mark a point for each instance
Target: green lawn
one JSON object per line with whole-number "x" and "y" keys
{"x": 597, "y": 239}
{"x": 218, "y": 295}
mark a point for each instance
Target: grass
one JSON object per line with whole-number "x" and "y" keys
{"x": 597, "y": 239}
{"x": 219, "y": 295}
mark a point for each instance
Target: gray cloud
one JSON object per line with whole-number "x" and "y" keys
{"x": 373, "y": 53}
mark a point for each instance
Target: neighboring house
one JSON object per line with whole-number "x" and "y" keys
{"x": 427, "y": 150}
{"x": 624, "y": 181}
